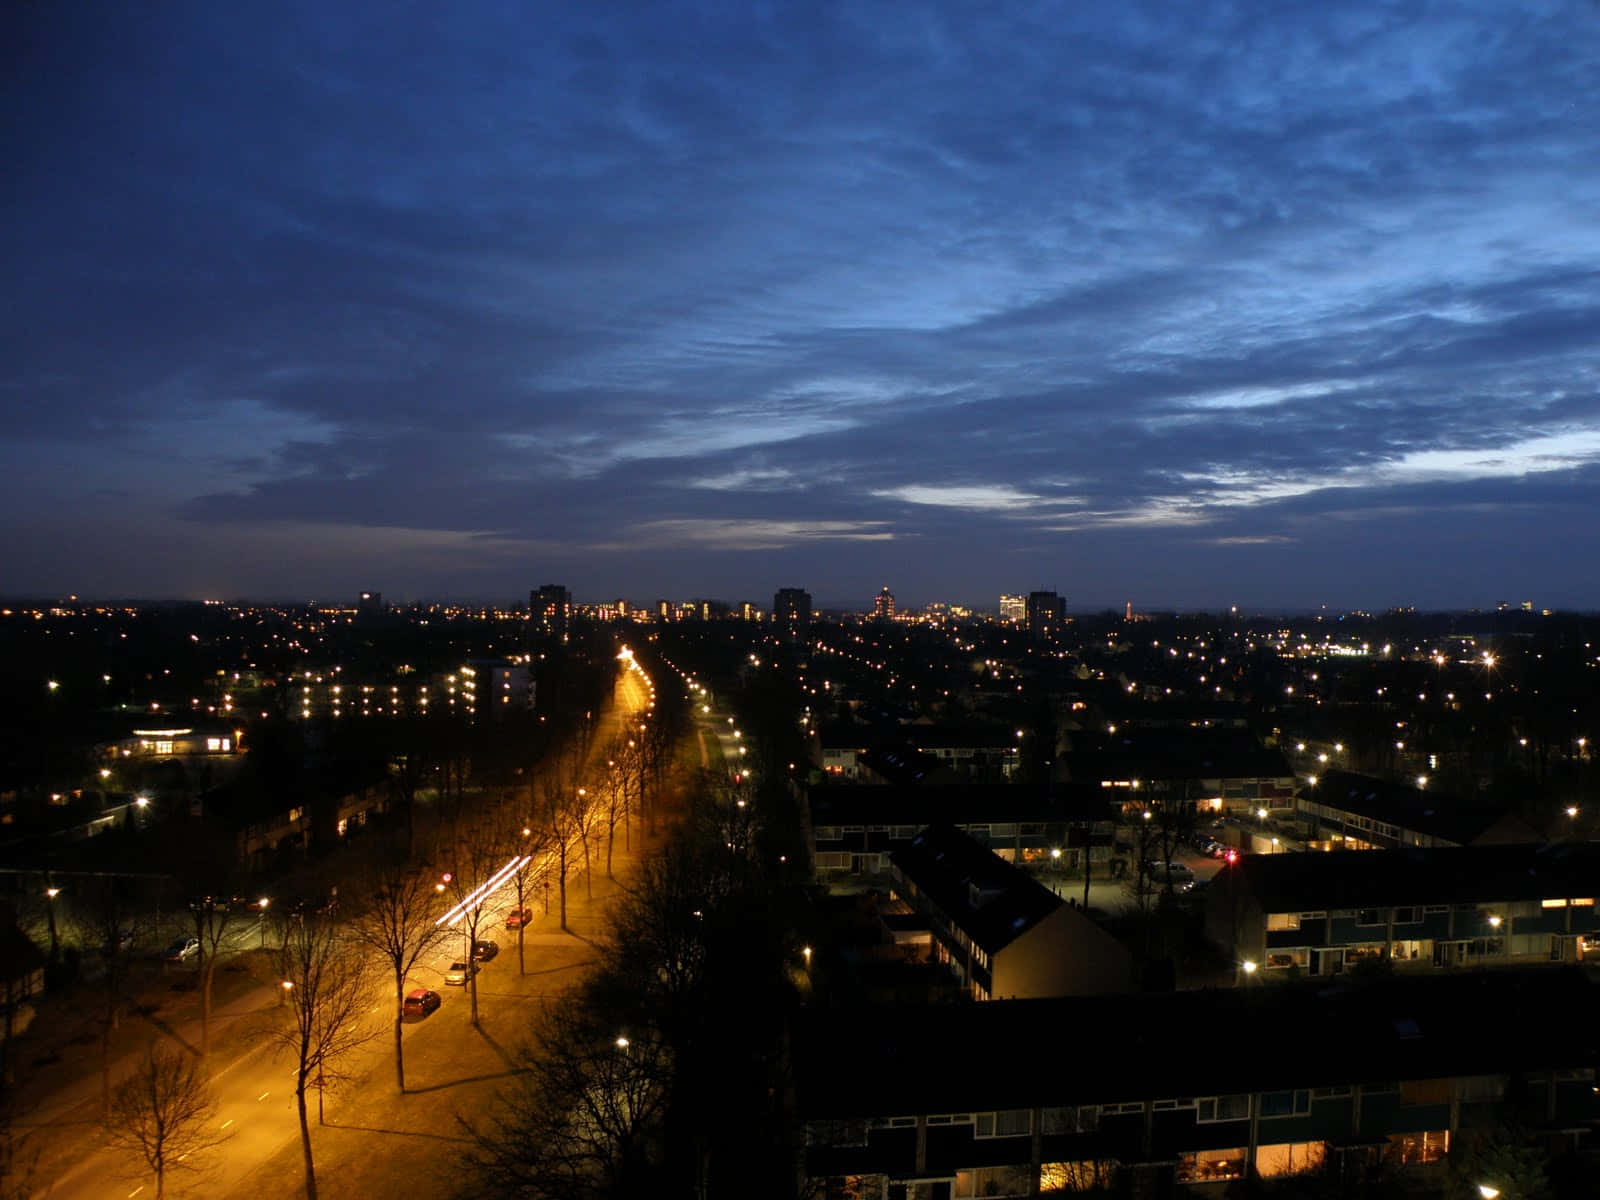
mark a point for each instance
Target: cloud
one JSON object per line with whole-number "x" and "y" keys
{"x": 1028, "y": 286}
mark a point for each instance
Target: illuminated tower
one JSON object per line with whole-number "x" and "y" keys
{"x": 791, "y": 613}
{"x": 550, "y": 610}
{"x": 883, "y": 605}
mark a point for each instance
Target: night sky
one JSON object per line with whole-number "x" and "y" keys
{"x": 1276, "y": 305}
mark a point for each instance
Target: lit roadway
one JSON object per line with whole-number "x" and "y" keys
{"x": 256, "y": 1110}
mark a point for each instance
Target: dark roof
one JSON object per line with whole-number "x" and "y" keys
{"x": 1444, "y": 875}
{"x": 1105, "y": 1049}
{"x": 971, "y": 735}
{"x": 1419, "y": 810}
{"x": 1175, "y": 754}
{"x": 901, "y": 763}
{"x": 955, "y": 804}
{"x": 979, "y": 892}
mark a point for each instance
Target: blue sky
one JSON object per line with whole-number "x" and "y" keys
{"x": 1193, "y": 305}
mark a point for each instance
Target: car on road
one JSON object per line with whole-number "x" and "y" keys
{"x": 484, "y": 951}
{"x": 459, "y": 973}
{"x": 420, "y": 1002}
{"x": 519, "y": 917}
{"x": 182, "y": 950}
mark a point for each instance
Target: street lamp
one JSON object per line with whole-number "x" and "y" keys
{"x": 50, "y": 894}
{"x": 287, "y": 986}
{"x": 261, "y": 921}
{"x": 1487, "y": 1191}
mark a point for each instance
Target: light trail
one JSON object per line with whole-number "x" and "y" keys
{"x": 479, "y": 893}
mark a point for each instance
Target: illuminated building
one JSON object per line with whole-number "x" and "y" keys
{"x": 1046, "y": 613}
{"x": 791, "y": 613}
{"x": 550, "y": 610}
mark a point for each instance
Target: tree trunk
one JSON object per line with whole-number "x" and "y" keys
{"x": 611, "y": 841}
{"x": 399, "y": 1016}
{"x": 472, "y": 986}
{"x": 305, "y": 1139}
{"x": 521, "y": 929}
{"x": 563, "y": 883}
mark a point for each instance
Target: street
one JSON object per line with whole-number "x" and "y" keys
{"x": 375, "y": 1141}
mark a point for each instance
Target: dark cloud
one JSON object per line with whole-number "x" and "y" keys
{"x": 1205, "y": 303}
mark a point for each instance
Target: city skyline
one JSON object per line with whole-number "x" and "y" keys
{"x": 1280, "y": 309}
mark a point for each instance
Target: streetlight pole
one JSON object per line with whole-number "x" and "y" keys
{"x": 50, "y": 894}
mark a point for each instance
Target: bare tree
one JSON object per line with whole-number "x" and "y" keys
{"x": 212, "y": 917}
{"x": 162, "y": 1113}
{"x": 400, "y": 923}
{"x": 528, "y": 842}
{"x": 583, "y": 814}
{"x": 558, "y": 802}
{"x": 326, "y": 986}
{"x": 614, "y": 785}
{"x": 585, "y": 1120}
{"x": 476, "y": 854}
{"x": 102, "y": 920}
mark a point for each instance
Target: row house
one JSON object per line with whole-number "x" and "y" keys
{"x": 1341, "y": 810}
{"x": 1002, "y": 933}
{"x": 1107, "y": 1092}
{"x": 853, "y": 830}
{"x": 1221, "y": 772}
{"x": 1413, "y": 909}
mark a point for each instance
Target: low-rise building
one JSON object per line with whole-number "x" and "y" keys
{"x": 853, "y": 830}
{"x": 1047, "y": 1097}
{"x": 1221, "y": 771}
{"x": 1345, "y": 811}
{"x": 1002, "y": 933}
{"x": 1426, "y": 910}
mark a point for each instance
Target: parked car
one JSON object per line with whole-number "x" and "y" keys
{"x": 484, "y": 951}
{"x": 459, "y": 973}
{"x": 182, "y": 950}
{"x": 420, "y": 1002}
{"x": 518, "y": 917}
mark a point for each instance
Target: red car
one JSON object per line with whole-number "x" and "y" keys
{"x": 518, "y": 917}
{"x": 420, "y": 1003}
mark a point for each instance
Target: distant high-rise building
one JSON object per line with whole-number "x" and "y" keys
{"x": 883, "y": 605}
{"x": 550, "y": 612}
{"x": 791, "y": 613}
{"x": 664, "y": 609}
{"x": 748, "y": 611}
{"x": 370, "y": 603}
{"x": 1047, "y": 613}
{"x": 1013, "y": 609}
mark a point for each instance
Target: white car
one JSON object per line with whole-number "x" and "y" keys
{"x": 459, "y": 973}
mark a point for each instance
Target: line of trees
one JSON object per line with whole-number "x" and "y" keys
{"x": 658, "y": 1076}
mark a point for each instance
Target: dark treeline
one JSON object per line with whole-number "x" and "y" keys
{"x": 662, "y": 1074}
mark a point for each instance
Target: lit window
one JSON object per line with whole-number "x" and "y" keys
{"x": 1205, "y": 1166}
{"x": 1289, "y": 1158}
